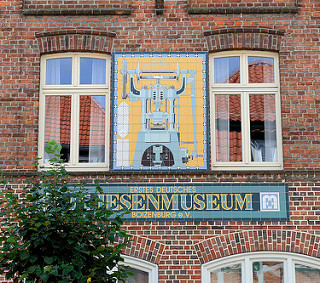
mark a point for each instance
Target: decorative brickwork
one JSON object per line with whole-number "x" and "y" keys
{"x": 244, "y": 38}
{"x": 145, "y": 249}
{"x": 238, "y": 6}
{"x": 72, "y": 7}
{"x": 258, "y": 240}
{"x": 244, "y": 10}
{"x": 75, "y": 40}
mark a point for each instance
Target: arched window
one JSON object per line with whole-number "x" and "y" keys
{"x": 263, "y": 267}
{"x": 144, "y": 272}
{"x": 245, "y": 110}
{"x": 74, "y": 109}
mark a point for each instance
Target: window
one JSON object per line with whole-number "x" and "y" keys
{"x": 144, "y": 272}
{"x": 74, "y": 109}
{"x": 263, "y": 267}
{"x": 245, "y": 111}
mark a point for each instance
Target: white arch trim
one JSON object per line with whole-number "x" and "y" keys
{"x": 143, "y": 265}
{"x": 246, "y": 259}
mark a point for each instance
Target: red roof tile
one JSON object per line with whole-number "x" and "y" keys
{"x": 58, "y": 120}
{"x": 262, "y": 107}
{"x": 228, "y": 107}
{"x": 229, "y": 146}
{"x": 261, "y": 71}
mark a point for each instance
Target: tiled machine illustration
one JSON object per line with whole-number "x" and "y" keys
{"x": 158, "y": 142}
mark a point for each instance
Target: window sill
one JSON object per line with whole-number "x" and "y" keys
{"x": 91, "y": 168}
{"x": 247, "y": 167}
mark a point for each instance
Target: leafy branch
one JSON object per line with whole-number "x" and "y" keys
{"x": 55, "y": 233}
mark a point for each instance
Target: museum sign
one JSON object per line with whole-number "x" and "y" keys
{"x": 194, "y": 201}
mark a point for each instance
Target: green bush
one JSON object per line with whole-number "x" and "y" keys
{"x": 54, "y": 233}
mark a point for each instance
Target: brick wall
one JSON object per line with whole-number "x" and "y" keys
{"x": 176, "y": 30}
{"x": 179, "y": 247}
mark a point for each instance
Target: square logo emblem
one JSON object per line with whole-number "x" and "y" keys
{"x": 269, "y": 201}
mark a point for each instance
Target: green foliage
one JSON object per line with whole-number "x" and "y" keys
{"x": 52, "y": 233}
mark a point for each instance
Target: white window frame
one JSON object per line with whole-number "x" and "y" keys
{"x": 246, "y": 260}
{"x": 136, "y": 263}
{"x": 75, "y": 90}
{"x": 244, "y": 89}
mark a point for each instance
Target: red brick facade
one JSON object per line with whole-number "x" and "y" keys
{"x": 291, "y": 27}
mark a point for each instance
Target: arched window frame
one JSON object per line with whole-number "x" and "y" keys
{"x": 246, "y": 260}
{"x": 150, "y": 268}
{"x": 244, "y": 89}
{"x": 75, "y": 90}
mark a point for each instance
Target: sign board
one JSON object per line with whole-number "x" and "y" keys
{"x": 194, "y": 201}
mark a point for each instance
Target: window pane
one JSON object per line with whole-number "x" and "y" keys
{"x": 92, "y": 71}
{"x": 59, "y": 71}
{"x": 227, "y": 70}
{"x": 230, "y": 274}
{"x": 92, "y": 129}
{"x": 307, "y": 274}
{"x": 58, "y": 124}
{"x": 228, "y": 128}
{"x": 138, "y": 277}
{"x": 263, "y": 128}
{"x": 261, "y": 70}
{"x": 267, "y": 272}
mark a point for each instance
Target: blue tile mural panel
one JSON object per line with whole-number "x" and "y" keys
{"x": 160, "y": 111}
